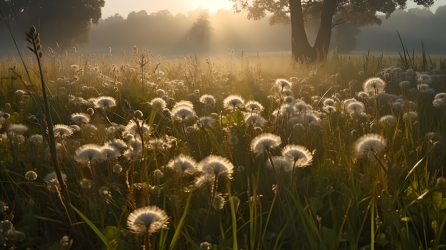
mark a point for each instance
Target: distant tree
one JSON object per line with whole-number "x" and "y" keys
{"x": 63, "y": 21}
{"x": 200, "y": 33}
{"x": 329, "y": 13}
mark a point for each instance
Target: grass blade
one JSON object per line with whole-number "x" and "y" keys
{"x": 95, "y": 229}
{"x": 181, "y": 223}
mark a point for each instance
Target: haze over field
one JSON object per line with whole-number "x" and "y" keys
{"x": 213, "y": 31}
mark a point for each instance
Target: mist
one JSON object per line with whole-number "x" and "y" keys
{"x": 203, "y": 34}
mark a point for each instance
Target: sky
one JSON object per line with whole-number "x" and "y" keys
{"x": 124, "y": 7}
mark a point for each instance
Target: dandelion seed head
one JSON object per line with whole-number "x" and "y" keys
{"x": 329, "y": 102}
{"x": 158, "y": 103}
{"x": 388, "y": 119}
{"x": 132, "y": 128}
{"x": 374, "y": 85}
{"x": 104, "y": 102}
{"x": 183, "y": 164}
{"x": 117, "y": 144}
{"x": 108, "y": 152}
{"x": 207, "y": 100}
{"x": 370, "y": 143}
{"x": 298, "y": 154}
{"x": 87, "y": 153}
{"x": 254, "y": 119}
{"x": 329, "y": 109}
{"x": 183, "y": 113}
{"x": 149, "y": 218}
{"x": 283, "y": 84}
{"x": 52, "y": 182}
{"x": 31, "y": 175}
{"x": 280, "y": 164}
{"x": 36, "y": 139}
{"x": 233, "y": 101}
{"x": 63, "y": 131}
{"x": 216, "y": 165}
{"x": 404, "y": 84}
{"x": 207, "y": 121}
{"x": 264, "y": 142}
{"x": 355, "y": 107}
{"x": 254, "y": 107}
{"x": 89, "y": 129}
{"x": 17, "y": 129}
{"x": 410, "y": 116}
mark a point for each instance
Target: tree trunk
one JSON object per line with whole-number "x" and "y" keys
{"x": 300, "y": 47}
{"x": 322, "y": 43}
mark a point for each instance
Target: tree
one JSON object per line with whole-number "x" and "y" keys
{"x": 64, "y": 21}
{"x": 329, "y": 13}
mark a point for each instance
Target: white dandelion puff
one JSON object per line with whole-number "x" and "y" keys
{"x": 264, "y": 143}
{"x": 183, "y": 164}
{"x": 300, "y": 155}
{"x": 370, "y": 143}
{"x": 216, "y": 165}
{"x": 233, "y": 101}
{"x": 254, "y": 107}
{"x": 147, "y": 219}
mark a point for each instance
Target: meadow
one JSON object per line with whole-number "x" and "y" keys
{"x": 224, "y": 152}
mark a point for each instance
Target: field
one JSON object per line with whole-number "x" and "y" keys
{"x": 226, "y": 152}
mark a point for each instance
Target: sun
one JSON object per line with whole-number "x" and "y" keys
{"x": 212, "y": 5}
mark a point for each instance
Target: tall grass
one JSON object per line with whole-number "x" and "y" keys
{"x": 385, "y": 193}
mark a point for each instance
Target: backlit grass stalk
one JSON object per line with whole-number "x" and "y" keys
{"x": 33, "y": 39}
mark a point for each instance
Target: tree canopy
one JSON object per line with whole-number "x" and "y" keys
{"x": 327, "y": 13}
{"x": 64, "y": 21}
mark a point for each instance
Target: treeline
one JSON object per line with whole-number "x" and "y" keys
{"x": 204, "y": 34}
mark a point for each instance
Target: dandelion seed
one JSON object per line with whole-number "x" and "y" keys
{"x": 75, "y": 128}
{"x": 370, "y": 143}
{"x": 300, "y": 155}
{"x": 36, "y": 139}
{"x": 404, "y": 84}
{"x": 183, "y": 164}
{"x": 216, "y": 165}
{"x": 89, "y": 129}
{"x": 147, "y": 219}
{"x": 87, "y": 153}
{"x": 254, "y": 119}
{"x": 280, "y": 164}
{"x": 117, "y": 144}
{"x": 17, "y": 129}
{"x": 117, "y": 168}
{"x": 108, "y": 152}
{"x": 283, "y": 84}
{"x": 410, "y": 116}
{"x": 355, "y": 107}
{"x": 62, "y": 131}
{"x": 207, "y": 100}
{"x": 30, "y": 175}
{"x": 52, "y": 182}
{"x": 183, "y": 113}
{"x": 158, "y": 103}
{"x": 264, "y": 143}
{"x": 388, "y": 119}
{"x": 207, "y": 121}
{"x": 233, "y": 101}
{"x": 329, "y": 109}
{"x": 374, "y": 85}
{"x": 254, "y": 107}
{"x": 132, "y": 128}
{"x": 104, "y": 102}
{"x": 329, "y": 102}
